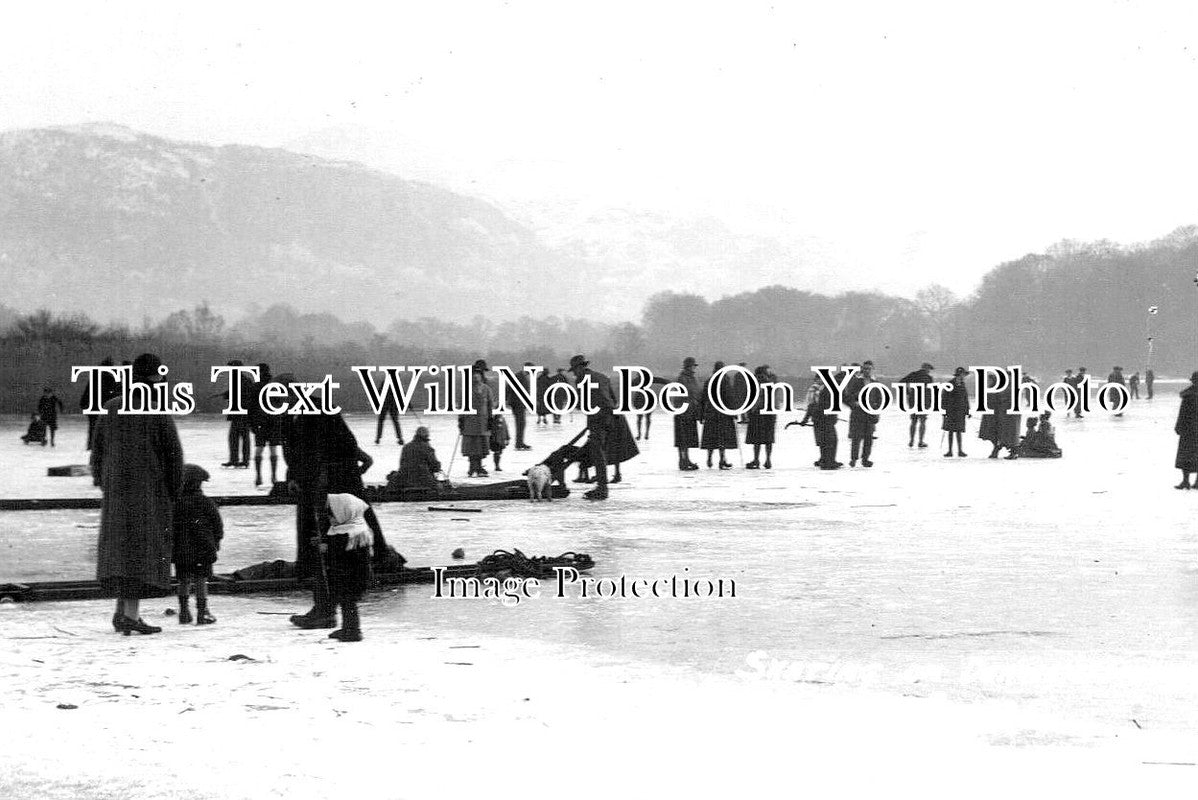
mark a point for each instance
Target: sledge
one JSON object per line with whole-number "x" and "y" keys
{"x": 69, "y": 471}
{"x": 498, "y": 563}
{"x": 279, "y": 496}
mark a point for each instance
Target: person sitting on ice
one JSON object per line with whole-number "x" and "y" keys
{"x": 36, "y": 432}
{"x": 418, "y": 465}
{"x": 1039, "y": 443}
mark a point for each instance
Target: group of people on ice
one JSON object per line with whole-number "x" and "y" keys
{"x": 154, "y": 512}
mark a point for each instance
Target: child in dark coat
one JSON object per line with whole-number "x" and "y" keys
{"x": 499, "y": 439}
{"x": 198, "y": 531}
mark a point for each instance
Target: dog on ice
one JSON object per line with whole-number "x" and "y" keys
{"x": 553, "y": 469}
{"x": 540, "y": 483}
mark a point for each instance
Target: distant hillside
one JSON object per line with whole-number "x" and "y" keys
{"x": 117, "y": 224}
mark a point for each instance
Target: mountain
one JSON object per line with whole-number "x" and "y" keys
{"x": 698, "y": 253}
{"x": 630, "y": 250}
{"x": 120, "y": 225}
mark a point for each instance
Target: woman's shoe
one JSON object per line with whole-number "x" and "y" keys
{"x": 482, "y": 473}
{"x": 691, "y": 466}
{"x": 1182, "y": 485}
{"x": 342, "y": 635}
{"x": 725, "y": 465}
{"x": 116, "y": 621}
{"x": 616, "y": 479}
{"x": 949, "y": 454}
{"x": 752, "y": 465}
{"x": 129, "y": 626}
{"x": 767, "y": 464}
{"x": 203, "y": 617}
{"x": 962, "y": 454}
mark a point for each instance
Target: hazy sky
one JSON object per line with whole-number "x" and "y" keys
{"x": 922, "y": 141}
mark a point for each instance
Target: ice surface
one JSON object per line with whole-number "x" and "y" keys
{"x": 1063, "y": 587}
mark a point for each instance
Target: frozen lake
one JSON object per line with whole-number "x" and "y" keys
{"x": 1070, "y": 586}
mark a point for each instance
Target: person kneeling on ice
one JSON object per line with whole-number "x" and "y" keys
{"x": 36, "y": 432}
{"x": 346, "y": 550}
{"x": 198, "y": 531}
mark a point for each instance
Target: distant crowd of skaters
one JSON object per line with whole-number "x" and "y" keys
{"x": 154, "y": 513}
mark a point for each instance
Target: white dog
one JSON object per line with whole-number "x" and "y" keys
{"x": 540, "y": 483}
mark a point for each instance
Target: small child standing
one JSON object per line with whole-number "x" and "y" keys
{"x": 347, "y": 554}
{"x": 499, "y": 438}
{"x": 198, "y": 531}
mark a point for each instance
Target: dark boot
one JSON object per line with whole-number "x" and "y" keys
{"x": 351, "y": 626}
{"x": 184, "y": 611}
{"x": 322, "y": 614}
{"x": 202, "y": 615}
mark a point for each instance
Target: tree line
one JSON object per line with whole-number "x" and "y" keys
{"x": 1078, "y": 304}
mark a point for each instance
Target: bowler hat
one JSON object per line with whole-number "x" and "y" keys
{"x": 146, "y": 366}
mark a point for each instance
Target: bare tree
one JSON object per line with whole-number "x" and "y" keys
{"x": 937, "y": 304}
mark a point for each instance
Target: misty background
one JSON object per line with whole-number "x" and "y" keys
{"x": 641, "y": 182}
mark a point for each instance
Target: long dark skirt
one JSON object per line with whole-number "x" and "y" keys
{"x": 719, "y": 432}
{"x": 476, "y": 445}
{"x": 131, "y": 589}
{"x": 621, "y": 446}
{"x": 686, "y": 431}
{"x": 761, "y": 428}
{"x": 1187, "y": 453}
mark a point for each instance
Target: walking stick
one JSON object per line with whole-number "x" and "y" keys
{"x": 452, "y": 456}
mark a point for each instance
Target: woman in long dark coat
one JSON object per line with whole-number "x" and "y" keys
{"x": 620, "y": 447}
{"x": 761, "y": 426}
{"x": 137, "y": 461}
{"x": 686, "y": 424}
{"x": 1187, "y": 433}
{"x": 1000, "y": 428}
{"x": 719, "y": 429}
{"x": 956, "y": 409}
{"x": 543, "y": 384}
{"x": 476, "y": 428}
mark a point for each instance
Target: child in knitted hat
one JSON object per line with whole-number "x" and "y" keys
{"x": 198, "y": 531}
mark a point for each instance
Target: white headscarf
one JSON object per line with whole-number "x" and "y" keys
{"x": 346, "y": 518}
